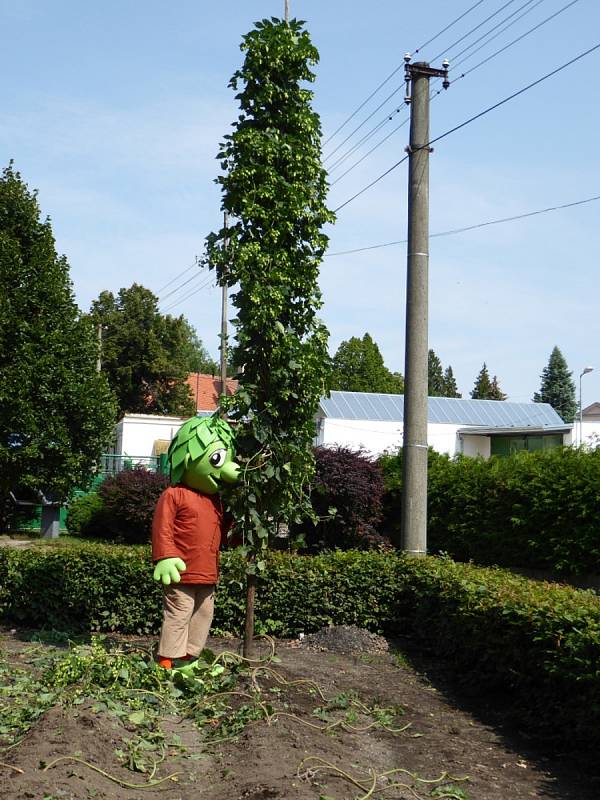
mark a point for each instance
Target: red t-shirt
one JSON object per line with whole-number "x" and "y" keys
{"x": 190, "y": 525}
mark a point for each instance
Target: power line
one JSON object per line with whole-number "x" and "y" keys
{"x": 181, "y": 274}
{"x": 372, "y": 150}
{"x": 510, "y": 44}
{"x": 458, "y": 19}
{"x": 495, "y": 27}
{"x": 476, "y": 28}
{"x": 473, "y": 118}
{"x": 515, "y": 94}
{"x": 177, "y": 288}
{"x": 364, "y": 122}
{"x": 390, "y": 115}
{"x": 395, "y": 71}
{"x": 191, "y": 294}
{"x": 453, "y": 231}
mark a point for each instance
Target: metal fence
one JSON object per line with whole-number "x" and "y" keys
{"x": 111, "y": 464}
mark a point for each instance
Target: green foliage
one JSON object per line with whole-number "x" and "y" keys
{"x": 538, "y": 643}
{"x": 486, "y": 388}
{"x": 87, "y": 516}
{"x": 274, "y": 189}
{"x": 56, "y": 411}
{"x": 557, "y": 387}
{"x": 450, "y": 387}
{"x": 435, "y": 375}
{"x": 197, "y": 358}
{"x": 530, "y": 509}
{"x": 145, "y": 354}
{"x": 358, "y": 367}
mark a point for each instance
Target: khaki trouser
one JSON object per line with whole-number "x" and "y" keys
{"x": 187, "y": 614}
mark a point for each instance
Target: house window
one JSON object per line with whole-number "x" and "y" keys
{"x": 507, "y": 445}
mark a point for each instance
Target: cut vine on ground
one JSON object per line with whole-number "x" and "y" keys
{"x": 98, "y": 718}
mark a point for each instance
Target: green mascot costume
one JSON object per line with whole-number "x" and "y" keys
{"x": 188, "y": 528}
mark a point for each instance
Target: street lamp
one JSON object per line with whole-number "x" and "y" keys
{"x": 585, "y": 372}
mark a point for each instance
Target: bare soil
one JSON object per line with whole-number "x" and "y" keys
{"x": 447, "y": 733}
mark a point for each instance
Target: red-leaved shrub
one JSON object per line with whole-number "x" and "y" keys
{"x": 129, "y": 499}
{"x": 349, "y": 481}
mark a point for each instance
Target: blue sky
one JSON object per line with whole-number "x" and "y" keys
{"x": 114, "y": 111}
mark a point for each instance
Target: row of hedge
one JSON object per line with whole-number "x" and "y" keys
{"x": 538, "y": 510}
{"x": 538, "y": 643}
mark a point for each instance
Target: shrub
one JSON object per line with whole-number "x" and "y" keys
{"x": 531, "y": 509}
{"x": 129, "y": 499}
{"x": 87, "y": 516}
{"x": 538, "y": 643}
{"x": 350, "y": 482}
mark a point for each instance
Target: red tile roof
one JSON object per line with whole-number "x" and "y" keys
{"x": 206, "y": 390}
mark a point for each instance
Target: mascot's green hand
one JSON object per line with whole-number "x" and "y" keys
{"x": 167, "y": 570}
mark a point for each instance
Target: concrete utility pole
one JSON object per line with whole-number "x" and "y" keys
{"x": 414, "y": 464}
{"x": 224, "y": 322}
{"x": 286, "y": 13}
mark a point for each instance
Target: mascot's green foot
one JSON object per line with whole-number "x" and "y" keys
{"x": 185, "y": 667}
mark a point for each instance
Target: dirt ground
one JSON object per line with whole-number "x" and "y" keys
{"x": 446, "y": 738}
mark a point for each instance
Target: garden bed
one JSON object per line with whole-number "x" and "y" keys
{"x": 412, "y": 723}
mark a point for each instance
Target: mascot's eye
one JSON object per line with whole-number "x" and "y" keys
{"x": 217, "y": 459}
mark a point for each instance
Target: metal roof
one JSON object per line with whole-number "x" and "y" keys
{"x": 449, "y": 410}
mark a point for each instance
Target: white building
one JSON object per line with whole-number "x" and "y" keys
{"x": 373, "y": 422}
{"x": 587, "y": 429}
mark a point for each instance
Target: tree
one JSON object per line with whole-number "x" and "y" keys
{"x": 496, "y": 392}
{"x": 435, "y": 384}
{"x": 358, "y": 366}
{"x": 274, "y": 189}
{"x": 197, "y": 358}
{"x": 486, "y": 388}
{"x": 557, "y": 387}
{"x": 146, "y": 356}
{"x": 56, "y": 412}
{"x": 450, "y": 387}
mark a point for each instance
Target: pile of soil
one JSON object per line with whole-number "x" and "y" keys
{"x": 345, "y": 639}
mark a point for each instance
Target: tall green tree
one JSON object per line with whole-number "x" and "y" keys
{"x": 274, "y": 189}
{"x": 450, "y": 387}
{"x": 557, "y": 387}
{"x": 358, "y": 366}
{"x": 435, "y": 384}
{"x": 56, "y": 412}
{"x": 146, "y": 356}
{"x": 487, "y": 388}
{"x": 197, "y": 358}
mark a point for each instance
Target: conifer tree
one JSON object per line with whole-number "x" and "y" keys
{"x": 557, "y": 387}
{"x": 450, "y": 387}
{"x": 56, "y": 411}
{"x": 435, "y": 384}
{"x": 485, "y": 387}
{"x": 496, "y": 392}
{"x": 483, "y": 384}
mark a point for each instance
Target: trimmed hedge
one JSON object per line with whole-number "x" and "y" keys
{"x": 538, "y": 510}
{"x": 538, "y": 643}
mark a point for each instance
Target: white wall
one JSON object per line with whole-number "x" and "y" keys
{"x": 371, "y": 435}
{"x": 590, "y": 430}
{"x": 473, "y": 445}
{"x": 378, "y": 436}
{"x": 136, "y": 433}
